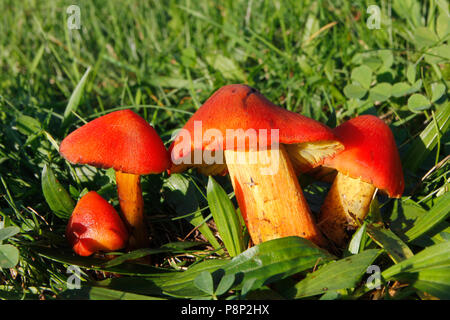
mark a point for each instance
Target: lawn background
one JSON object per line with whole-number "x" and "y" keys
{"x": 163, "y": 59}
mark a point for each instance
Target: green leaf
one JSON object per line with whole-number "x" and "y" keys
{"x": 354, "y": 91}
{"x": 435, "y": 281}
{"x": 416, "y": 86}
{"x": 424, "y": 37}
{"x": 264, "y": 293}
{"x": 226, "y": 219}
{"x": 409, "y": 10}
{"x": 438, "y": 54}
{"x": 341, "y": 274}
{"x": 438, "y": 90}
{"x": 362, "y": 75}
{"x": 204, "y": 281}
{"x": 355, "y": 243}
{"x": 437, "y": 255}
{"x": 373, "y": 62}
{"x": 380, "y": 92}
{"x": 438, "y": 234}
{"x": 226, "y": 66}
{"x": 189, "y": 57}
{"x": 330, "y": 295}
{"x": 180, "y": 245}
{"x": 442, "y": 25}
{"x": 225, "y": 284}
{"x": 8, "y": 232}
{"x": 418, "y": 103}
{"x": 389, "y": 241}
{"x": 75, "y": 98}
{"x": 329, "y": 69}
{"x": 27, "y": 125}
{"x": 58, "y": 199}
{"x": 411, "y": 73}
{"x": 404, "y": 212}
{"x": 260, "y": 265}
{"x": 181, "y": 284}
{"x": 276, "y": 259}
{"x": 9, "y": 256}
{"x": 437, "y": 214}
{"x": 400, "y": 89}
{"x": 387, "y": 57}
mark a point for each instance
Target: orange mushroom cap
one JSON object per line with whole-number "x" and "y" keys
{"x": 122, "y": 140}
{"x": 370, "y": 154}
{"x": 95, "y": 226}
{"x": 239, "y": 106}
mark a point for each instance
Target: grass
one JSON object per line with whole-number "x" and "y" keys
{"x": 163, "y": 59}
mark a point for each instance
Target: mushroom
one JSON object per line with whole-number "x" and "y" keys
{"x": 95, "y": 226}
{"x": 126, "y": 142}
{"x": 370, "y": 161}
{"x": 238, "y": 130}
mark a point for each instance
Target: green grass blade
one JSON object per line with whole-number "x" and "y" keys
{"x": 428, "y": 270}
{"x": 92, "y": 263}
{"x": 438, "y": 213}
{"x": 437, "y": 255}
{"x": 434, "y": 281}
{"x": 225, "y": 217}
{"x": 183, "y": 198}
{"x": 75, "y": 98}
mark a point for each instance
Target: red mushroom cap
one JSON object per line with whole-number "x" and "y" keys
{"x": 121, "y": 140}
{"x": 95, "y": 226}
{"x": 239, "y": 106}
{"x": 370, "y": 154}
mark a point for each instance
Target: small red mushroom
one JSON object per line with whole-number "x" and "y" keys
{"x": 272, "y": 204}
{"x": 126, "y": 142}
{"x": 370, "y": 161}
{"x": 95, "y": 226}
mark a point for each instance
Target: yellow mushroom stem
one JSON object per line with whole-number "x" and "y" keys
{"x": 269, "y": 195}
{"x": 132, "y": 207}
{"x": 345, "y": 206}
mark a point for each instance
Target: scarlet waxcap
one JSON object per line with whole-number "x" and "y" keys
{"x": 370, "y": 154}
{"x": 95, "y": 226}
{"x": 240, "y": 107}
{"x": 122, "y": 140}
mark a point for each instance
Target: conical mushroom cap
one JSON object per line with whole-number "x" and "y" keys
{"x": 370, "y": 154}
{"x": 95, "y": 226}
{"x": 121, "y": 140}
{"x": 245, "y": 111}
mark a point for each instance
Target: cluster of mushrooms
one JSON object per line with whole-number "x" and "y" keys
{"x": 359, "y": 157}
